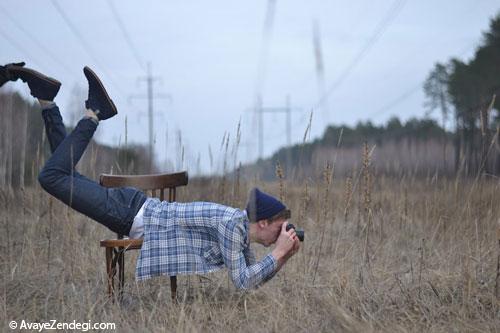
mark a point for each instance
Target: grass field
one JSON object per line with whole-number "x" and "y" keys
{"x": 380, "y": 254}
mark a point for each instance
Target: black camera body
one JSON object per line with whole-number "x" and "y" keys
{"x": 299, "y": 233}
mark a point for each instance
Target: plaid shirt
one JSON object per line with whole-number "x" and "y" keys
{"x": 198, "y": 238}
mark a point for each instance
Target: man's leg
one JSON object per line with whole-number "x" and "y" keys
{"x": 54, "y": 127}
{"x": 113, "y": 207}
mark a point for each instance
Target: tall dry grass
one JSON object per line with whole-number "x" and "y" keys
{"x": 423, "y": 259}
{"x": 381, "y": 254}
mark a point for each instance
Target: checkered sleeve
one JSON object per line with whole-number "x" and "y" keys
{"x": 244, "y": 276}
{"x": 249, "y": 256}
{"x": 250, "y": 259}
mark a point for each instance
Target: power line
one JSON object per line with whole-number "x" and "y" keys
{"x": 55, "y": 58}
{"x": 19, "y": 47}
{"x": 126, "y": 35}
{"x": 84, "y": 44}
{"x": 380, "y": 29}
{"x": 389, "y": 106}
{"x": 407, "y": 94}
{"x": 410, "y": 92}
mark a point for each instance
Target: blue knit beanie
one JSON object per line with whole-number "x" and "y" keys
{"x": 262, "y": 206}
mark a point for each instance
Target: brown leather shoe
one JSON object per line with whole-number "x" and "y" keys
{"x": 5, "y": 74}
{"x": 98, "y": 100}
{"x": 41, "y": 86}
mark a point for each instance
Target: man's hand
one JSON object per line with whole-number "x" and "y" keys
{"x": 295, "y": 248}
{"x": 287, "y": 245}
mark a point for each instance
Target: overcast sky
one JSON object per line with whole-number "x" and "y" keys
{"x": 213, "y": 57}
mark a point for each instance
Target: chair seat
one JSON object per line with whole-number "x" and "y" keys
{"x": 129, "y": 244}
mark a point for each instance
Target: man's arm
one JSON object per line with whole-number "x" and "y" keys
{"x": 250, "y": 276}
{"x": 287, "y": 245}
{"x": 250, "y": 260}
{"x": 232, "y": 242}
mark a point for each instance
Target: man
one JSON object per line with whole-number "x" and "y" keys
{"x": 179, "y": 238}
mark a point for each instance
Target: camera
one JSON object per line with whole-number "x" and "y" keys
{"x": 299, "y": 233}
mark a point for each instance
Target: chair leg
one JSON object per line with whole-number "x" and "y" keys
{"x": 109, "y": 270}
{"x": 121, "y": 271}
{"x": 173, "y": 287}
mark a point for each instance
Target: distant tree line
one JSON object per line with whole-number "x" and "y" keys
{"x": 467, "y": 91}
{"x": 405, "y": 135}
{"x": 464, "y": 93}
{"x": 24, "y": 147}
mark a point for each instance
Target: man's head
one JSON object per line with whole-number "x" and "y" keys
{"x": 266, "y": 215}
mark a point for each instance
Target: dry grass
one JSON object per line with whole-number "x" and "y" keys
{"x": 429, "y": 262}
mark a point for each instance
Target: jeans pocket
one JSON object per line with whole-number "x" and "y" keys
{"x": 122, "y": 205}
{"x": 120, "y": 208}
{"x": 122, "y": 196}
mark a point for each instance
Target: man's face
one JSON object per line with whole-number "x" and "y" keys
{"x": 271, "y": 232}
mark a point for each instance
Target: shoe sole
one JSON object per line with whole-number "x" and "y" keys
{"x": 94, "y": 75}
{"x": 37, "y": 74}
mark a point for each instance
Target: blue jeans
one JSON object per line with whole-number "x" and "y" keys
{"x": 114, "y": 208}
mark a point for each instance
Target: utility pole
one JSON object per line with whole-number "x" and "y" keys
{"x": 150, "y": 96}
{"x": 259, "y": 111}
{"x": 287, "y": 110}
{"x": 320, "y": 70}
{"x": 261, "y": 69}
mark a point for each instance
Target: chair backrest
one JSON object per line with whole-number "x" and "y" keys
{"x": 154, "y": 185}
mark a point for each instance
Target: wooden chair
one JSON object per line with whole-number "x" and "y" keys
{"x": 116, "y": 248}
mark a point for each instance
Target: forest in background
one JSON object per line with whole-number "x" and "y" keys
{"x": 466, "y": 92}
{"x": 467, "y": 140}
{"x": 24, "y": 147}
{"x": 414, "y": 146}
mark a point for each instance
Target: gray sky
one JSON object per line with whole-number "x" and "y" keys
{"x": 209, "y": 54}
